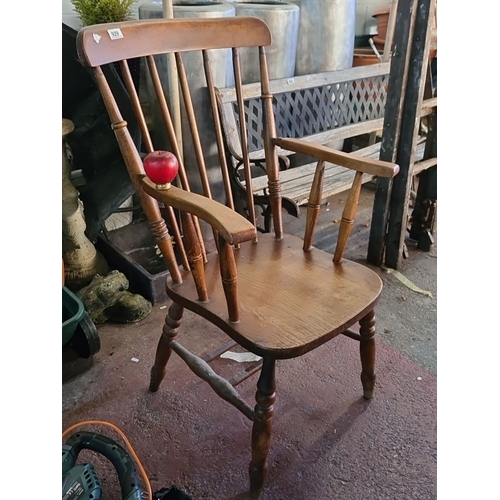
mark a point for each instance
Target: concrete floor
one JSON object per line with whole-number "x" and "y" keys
{"x": 328, "y": 443}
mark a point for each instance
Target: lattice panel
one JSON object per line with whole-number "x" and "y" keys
{"x": 314, "y": 110}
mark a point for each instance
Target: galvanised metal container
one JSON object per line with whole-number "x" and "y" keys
{"x": 283, "y": 21}
{"x": 326, "y": 35}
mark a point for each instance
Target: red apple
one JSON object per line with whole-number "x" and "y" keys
{"x": 161, "y": 167}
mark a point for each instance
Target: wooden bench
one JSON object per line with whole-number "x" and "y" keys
{"x": 324, "y": 108}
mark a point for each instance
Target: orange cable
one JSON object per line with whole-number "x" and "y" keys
{"x": 126, "y": 441}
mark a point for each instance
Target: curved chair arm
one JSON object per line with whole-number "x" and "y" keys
{"x": 233, "y": 227}
{"x": 359, "y": 164}
{"x": 348, "y": 160}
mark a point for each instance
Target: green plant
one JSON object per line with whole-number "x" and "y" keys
{"x": 103, "y": 11}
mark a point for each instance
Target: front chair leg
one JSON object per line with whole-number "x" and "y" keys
{"x": 367, "y": 351}
{"x": 262, "y": 426}
{"x": 163, "y": 351}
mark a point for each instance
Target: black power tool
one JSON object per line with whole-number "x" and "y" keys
{"x": 80, "y": 481}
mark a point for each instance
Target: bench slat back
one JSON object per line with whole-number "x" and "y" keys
{"x": 321, "y": 107}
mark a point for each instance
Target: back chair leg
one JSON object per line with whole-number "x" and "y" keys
{"x": 367, "y": 352}
{"x": 163, "y": 351}
{"x": 262, "y": 426}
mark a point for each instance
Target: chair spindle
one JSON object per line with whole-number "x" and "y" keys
{"x": 136, "y": 105}
{"x": 348, "y": 215}
{"x": 195, "y": 134}
{"x": 269, "y": 133}
{"x": 243, "y": 136}
{"x": 313, "y": 205}
{"x": 218, "y": 130}
{"x": 195, "y": 255}
{"x": 181, "y": 71}
{"x": 229, "y": 278}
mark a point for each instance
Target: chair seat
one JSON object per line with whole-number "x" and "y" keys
{"x": 291, "y": 301}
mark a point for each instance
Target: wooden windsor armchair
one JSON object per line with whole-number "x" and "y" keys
{"x": 274, "y": 294}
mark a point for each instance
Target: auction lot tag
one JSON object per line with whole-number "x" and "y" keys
{"x": 115, "y": 33}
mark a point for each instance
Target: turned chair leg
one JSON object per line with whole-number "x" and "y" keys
{"x": 163, "y": 351}
{"x": 262, "y": 426}
{"x": 367, "y": 352}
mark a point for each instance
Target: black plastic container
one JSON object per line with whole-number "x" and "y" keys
{"x": 132, "y": 251}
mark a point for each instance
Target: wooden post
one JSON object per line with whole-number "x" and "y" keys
{"x": 405, "y": 20}
{"x": 400, "y": 196}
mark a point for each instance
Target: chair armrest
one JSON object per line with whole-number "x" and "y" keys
{"x": 233, "y": 227}
{"x": 348, "y": 160}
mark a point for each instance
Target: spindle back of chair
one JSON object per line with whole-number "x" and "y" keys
{"x": 115, "y": 44}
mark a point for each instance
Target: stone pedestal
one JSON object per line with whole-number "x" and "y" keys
{"x": 81, "y": 260}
